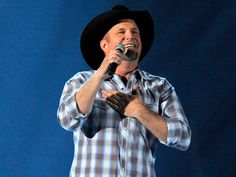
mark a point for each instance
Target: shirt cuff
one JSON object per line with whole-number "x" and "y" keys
{"x": 174, "y": 131}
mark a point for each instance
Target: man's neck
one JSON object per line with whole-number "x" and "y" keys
{"x": 125, "y": 73}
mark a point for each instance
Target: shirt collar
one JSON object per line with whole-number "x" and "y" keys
{"x": 137, "y": 73}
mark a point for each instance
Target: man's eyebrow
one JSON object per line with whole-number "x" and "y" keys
{"x": 134, "y": 28}
{"x": 121, "y": 28}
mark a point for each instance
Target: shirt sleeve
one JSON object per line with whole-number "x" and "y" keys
{"x": 68, "y": 113}
{"x": 179, "y": 132}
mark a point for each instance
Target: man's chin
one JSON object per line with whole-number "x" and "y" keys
{"x": 131, "y": 55}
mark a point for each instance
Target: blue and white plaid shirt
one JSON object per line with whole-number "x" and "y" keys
{"x": 107, "y": 145}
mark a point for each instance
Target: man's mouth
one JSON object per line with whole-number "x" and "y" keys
{"x": 130, "y": 46}
{"x": 130, "y": 52}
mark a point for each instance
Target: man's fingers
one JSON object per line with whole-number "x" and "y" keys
{"x": 124, "y": 97}
{"x": 113, "y": 100}
{"x": 114, "y": 106}
{"x": 116, "y": 99}
{"x": 108, "y": 93}
{"x": 117, "y": 107}
{"x": 118, "y": 102}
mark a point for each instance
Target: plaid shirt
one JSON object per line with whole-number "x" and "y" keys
{"x": 107, "y": 145}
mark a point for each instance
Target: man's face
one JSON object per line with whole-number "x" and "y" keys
{"x": 127, "y": 33}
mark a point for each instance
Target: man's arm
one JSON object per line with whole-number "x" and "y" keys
{"x": 79, "y": 94}
{"x": 152, "y": 121}
{"x": 171, "y": 131}
{"x": 171, "y": 128}
{"x": 132, "y": 106}
{"x": 86, "y": 95}
{"x": 77, "y": 99}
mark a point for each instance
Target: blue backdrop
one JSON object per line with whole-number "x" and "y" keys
{"x": 194, "y": 48}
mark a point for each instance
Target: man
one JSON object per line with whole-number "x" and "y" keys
{"x": 117, "y": 118}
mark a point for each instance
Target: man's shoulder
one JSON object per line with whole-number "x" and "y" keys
{"x": 155, "y": 79}
{"x": 148, "y": 76}
{"x": 81, "y": 75}
{"x": 85, "y": 73}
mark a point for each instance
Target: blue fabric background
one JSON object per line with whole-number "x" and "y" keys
{"x": 194, "y": 48}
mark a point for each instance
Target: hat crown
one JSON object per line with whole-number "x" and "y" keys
{"x": 120, "y": 8}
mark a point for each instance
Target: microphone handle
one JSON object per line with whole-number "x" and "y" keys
{"x": 111, "y": 68}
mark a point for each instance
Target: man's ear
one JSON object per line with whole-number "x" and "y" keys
{"x": 103, "y": 45}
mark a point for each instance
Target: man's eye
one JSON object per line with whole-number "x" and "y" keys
{"x": 120, "y": 32}
{"x": 135, "y": 32}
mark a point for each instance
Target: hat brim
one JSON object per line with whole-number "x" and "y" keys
{"x": 101, "y": 24}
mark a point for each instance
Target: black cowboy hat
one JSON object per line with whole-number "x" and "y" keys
{"x": 96, "y": 29}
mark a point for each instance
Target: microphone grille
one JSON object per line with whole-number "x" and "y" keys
{"x": 120, "y": 48}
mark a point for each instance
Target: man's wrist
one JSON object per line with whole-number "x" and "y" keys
{"x": 99, "y": 76}
{"x": 140, "y": 111}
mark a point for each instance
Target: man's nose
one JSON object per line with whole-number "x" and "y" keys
{"x": 129, "y": 35}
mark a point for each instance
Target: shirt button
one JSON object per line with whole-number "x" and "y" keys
{"x": 123, "y": 169}
{"x": 125, "y": 128}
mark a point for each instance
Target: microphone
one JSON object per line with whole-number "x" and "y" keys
{"x": 112, "y": 66}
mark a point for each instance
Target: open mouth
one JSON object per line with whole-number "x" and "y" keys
{"x": 131, "y": 52}
{"x": 130, "y": 46}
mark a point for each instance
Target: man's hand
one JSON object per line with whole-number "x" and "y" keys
{"x": 124, "y": 104}
{"x": 113, "y": 56}
{"x": 132, "y": 106}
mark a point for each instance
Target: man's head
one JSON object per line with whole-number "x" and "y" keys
{"x": 125, "y": 32}
{"x": 133, "y": 29}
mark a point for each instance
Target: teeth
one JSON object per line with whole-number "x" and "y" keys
{"x": 130, "y": 46}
